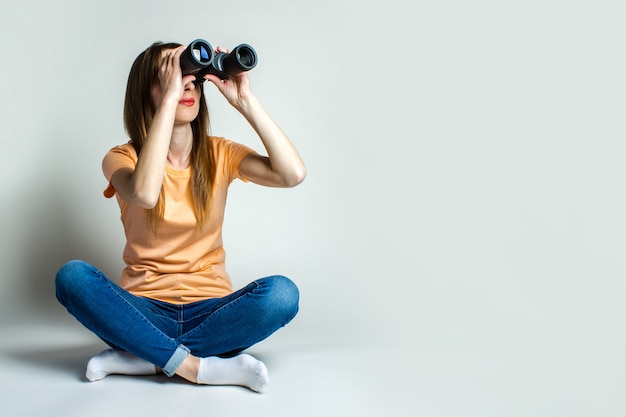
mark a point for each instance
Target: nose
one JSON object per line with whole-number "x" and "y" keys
{"x": 191, "y": 85}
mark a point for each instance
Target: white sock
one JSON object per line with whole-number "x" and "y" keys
{"x": 241, "y": 370}
{"x": 117, "y": 362}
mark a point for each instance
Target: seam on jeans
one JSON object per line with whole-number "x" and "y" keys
{"x": 136, "y": 311}
{"x": 157, "y": 313}
{"x": 219, "y": 310}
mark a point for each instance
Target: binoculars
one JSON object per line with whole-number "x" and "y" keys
{"x": 200, "y": 59}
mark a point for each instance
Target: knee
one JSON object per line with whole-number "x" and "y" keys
{"x": 284, "y": 297}
{"x": 70, "y": 277}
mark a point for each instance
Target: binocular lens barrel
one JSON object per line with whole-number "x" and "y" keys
{"x": 243, "y": 57}
{"x": 197, "y": 56}
{"x": 199, "y": 59}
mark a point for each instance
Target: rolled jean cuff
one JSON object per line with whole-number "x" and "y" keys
{"x": 180, "y": 354}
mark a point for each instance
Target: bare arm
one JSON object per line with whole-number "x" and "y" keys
{"x": 283, "y": 167}
{"x": 141, "y": 186}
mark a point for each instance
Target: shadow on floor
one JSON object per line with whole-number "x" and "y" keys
{"x": 71, "y": 360}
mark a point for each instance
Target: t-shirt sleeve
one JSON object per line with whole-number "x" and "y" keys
{"x": 123, "y": 156}
{"x": 233, "y": 153}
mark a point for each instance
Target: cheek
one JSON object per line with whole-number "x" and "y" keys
{"x": 155, "y": 94}
{"x": 198, "y": 96}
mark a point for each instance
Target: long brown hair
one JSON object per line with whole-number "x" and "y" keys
{"x": 139, "y": 111}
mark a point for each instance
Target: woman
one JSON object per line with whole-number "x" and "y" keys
{"x": 175, "y": 310}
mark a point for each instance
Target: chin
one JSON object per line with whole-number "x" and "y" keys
{"x": 186, "y": 116}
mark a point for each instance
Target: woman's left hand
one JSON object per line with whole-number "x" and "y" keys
{"x": 283, "y": 166}
{"x": 236, "y": 88}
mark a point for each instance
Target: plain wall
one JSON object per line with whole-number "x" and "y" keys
{"x": 466, "y": 163}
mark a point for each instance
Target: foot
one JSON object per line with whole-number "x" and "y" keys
{"x": 243, "y": 370}
{"x": 117, "y": 362}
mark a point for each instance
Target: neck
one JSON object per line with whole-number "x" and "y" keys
{"x": 180, "y": 147}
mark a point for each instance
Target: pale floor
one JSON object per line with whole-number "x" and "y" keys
{"x": 43, "y": 368}
{"x": 43, "y": 364}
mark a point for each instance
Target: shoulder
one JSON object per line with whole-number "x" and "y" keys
{"x": 125, "y": 150}
{"x": 228, "y": 155}
{"x": 219, "y": 143}
{"x": 225, "y": 146}
{"x": 121, "y": 156}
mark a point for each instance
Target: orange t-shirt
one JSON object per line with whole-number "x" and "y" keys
{"x": 181, "y": 263}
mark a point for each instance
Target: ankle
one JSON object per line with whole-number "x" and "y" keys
{"x": 188, "y": 369}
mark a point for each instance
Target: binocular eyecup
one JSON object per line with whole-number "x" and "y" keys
{"x": 199, "y": 59}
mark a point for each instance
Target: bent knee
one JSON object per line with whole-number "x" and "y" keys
{"x": 284, "y": 288}
{"x": 285, "y": 296}
{"x": 69, "y": 272}
{"x": 71, "y": 276}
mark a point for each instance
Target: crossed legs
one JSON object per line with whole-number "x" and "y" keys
{"x": 146, "y": 335}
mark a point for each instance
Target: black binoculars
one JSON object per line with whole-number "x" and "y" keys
{"x": 200, "y": 59}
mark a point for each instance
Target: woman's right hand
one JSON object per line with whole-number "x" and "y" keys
{"x": 141, "y": 186}
{"x": 172, "y": 83}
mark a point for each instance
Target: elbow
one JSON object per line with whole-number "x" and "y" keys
{"x": 148, "y": 202}
{"x": 296, "y": 177}
{"x": 145, "y": 200}
{"x": 136, "y": 191}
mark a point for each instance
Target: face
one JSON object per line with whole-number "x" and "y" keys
{"x": 189, "y": 104}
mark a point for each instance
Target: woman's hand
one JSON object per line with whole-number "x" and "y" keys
{"x": 283, "y": 166}
{"x": 172, "y": 83}
{"x": 141, "y": 186}
{"x": 236, "y": 88}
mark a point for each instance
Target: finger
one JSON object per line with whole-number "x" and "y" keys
{"x": 167, "y": 60}
{"x": 214, "y": 79}
{"x": 178, "y": 52}
{"x": 171, "y": 59}
{"x": 220, "y": 49}
{"x": 217, "y": 82}
{"x": 165, "y": 57}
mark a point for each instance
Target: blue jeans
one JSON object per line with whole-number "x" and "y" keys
{"x": 163, "y": 333}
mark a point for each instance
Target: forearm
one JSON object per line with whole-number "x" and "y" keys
{"x": 147, "y": 179}
{"x": 284, "y": 158}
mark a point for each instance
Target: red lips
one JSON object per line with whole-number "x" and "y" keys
{"x": 187, "y": 102}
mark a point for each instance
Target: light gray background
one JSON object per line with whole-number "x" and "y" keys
{"x": 459, "y": 240}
